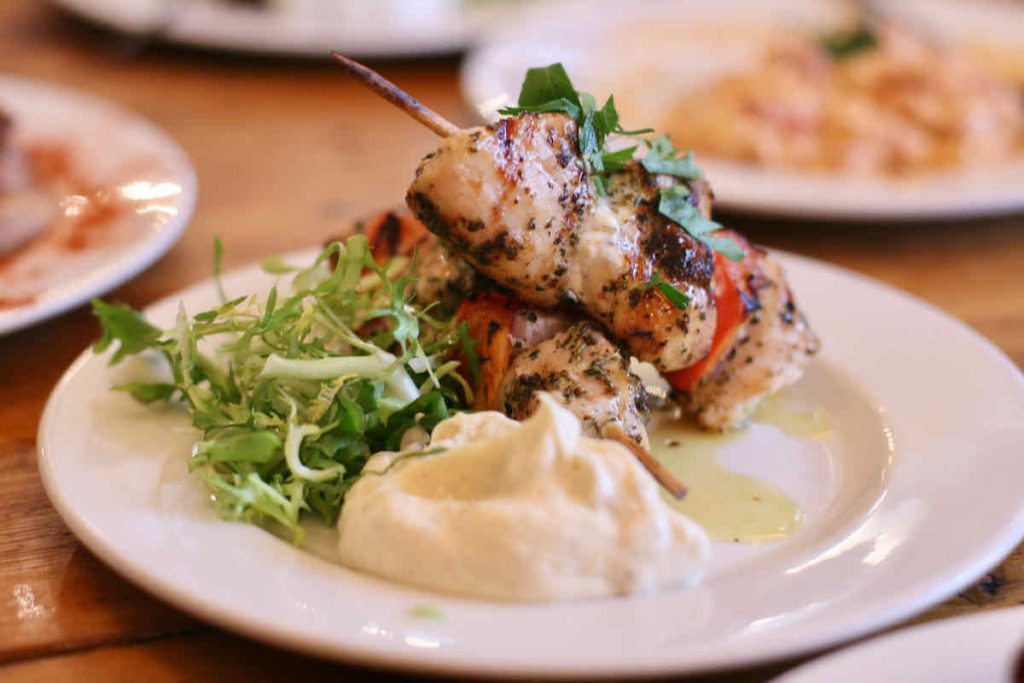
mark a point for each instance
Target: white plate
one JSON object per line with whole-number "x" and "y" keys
{"x": 917, "y": 494}
{"x": 650, "y": 65}
{"x": 300, "y": 28}
{"x": 124, "y": 156}
{"x": 982, "y": 647}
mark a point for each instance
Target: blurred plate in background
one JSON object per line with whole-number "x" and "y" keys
{"x": 982, "y": 647}
{"x": 650, "y": 59}
{"x": 299, "y": 28}
{"x": 122, "y": 190}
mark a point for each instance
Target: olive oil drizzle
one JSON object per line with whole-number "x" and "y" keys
{"x": 729, "y": 505}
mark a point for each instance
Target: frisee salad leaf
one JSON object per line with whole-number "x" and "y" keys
{"x": 290, "y": 400}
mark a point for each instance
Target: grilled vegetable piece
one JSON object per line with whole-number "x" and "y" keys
{"x": 501, "y": 327}
{"x": 734, "y": 287}
{"x": 441, "y": 276}
{"x": 514, "y": 200}
{"x": 760, "y": 356}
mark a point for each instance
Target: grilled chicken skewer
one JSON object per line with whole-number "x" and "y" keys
{"x": 514, "y": 199}
{"x": 521, "y": 350}
{"x": 485, "y": 188}
{"x": 761, "y": 344}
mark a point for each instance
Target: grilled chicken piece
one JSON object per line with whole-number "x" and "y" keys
{"x": 765, "y": 351}
{"x": 514, "y": 200}
{"x": 586, "y": 373}
{"x": 522, "y": 350}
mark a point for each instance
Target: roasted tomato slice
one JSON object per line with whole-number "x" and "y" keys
{"x": 394, "y": 233}
{"x": 391, "y": 234}
{"x": 735, "y": 302}
{"x": 488, "y": 319}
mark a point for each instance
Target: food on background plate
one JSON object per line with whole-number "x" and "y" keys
{"x": 62, "y": 212}
{"x": 26, "y": 209}
{"x": 879, "y": 100}
{"x": 554, "y": 263}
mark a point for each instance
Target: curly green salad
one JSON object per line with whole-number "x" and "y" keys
{"x": 293, "y": 392}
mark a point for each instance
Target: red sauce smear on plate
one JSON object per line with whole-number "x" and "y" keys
{"x": 16, "y": 302}
{"x": 88, "y": 212}
{"x": 53, "y": 167}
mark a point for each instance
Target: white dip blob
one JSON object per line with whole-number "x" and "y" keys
{"x": 527, "y": 511}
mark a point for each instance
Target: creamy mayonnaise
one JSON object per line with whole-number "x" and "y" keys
{"x": 524, "y": 511}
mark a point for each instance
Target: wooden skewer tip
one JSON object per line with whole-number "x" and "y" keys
{"x": 650, "y": 463}
{"x": 398, "y": 97}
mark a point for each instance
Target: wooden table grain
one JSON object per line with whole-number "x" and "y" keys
{"x": 287, "y": 153}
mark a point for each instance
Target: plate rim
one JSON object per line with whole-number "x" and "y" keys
{"x": 905, "y": 604}
{"x": 137, "y": 257}
{"x": 884, "y": 642}
{"x": 88, "y": 11}
{"x": 911, "y": 210}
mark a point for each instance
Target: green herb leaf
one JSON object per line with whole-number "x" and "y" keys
{"x": 218, "y": 256}
{"x": 245, "y": 447}
{"x": 546, "y": 84}
{"x": 468, "y": 345}
{"x": 725, "y": 246}
{"x": 549, "y": 89}
{"x": 678, "y": 299}
{"x": 662, "y": 159}
{"x": 616, "y": 161}
{"x": 561, "y": 105}
{"x": 427, "y": 611}
{"x": 844, "y": 44}
{"x": 123, "y": 324}
{"x": 148, "y": 392}
{"x": 675, "y": 205}
{"x": 275, "y": 265}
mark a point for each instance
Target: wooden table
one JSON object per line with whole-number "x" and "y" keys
{"x": 287, "y": 153}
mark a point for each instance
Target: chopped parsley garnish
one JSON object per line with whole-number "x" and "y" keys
{"x": 847, "y": 43}
{"x": 549, "y": 89}
{"x": 678, "y": 299}
{"x": 675, "y": 204}
{"x": 661, "y": 158}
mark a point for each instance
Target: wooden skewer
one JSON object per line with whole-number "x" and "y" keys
{"x": 614, "y": 431}
{"x": 398, "y": 97}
